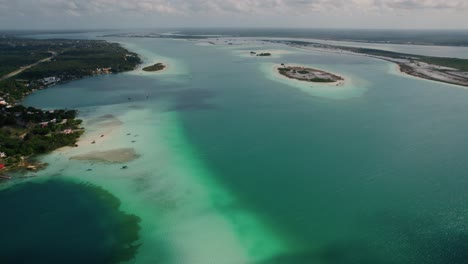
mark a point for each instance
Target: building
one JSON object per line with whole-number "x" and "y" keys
{"x": 50, "y": 80}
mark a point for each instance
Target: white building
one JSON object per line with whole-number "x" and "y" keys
{"x": 50, "y": 80}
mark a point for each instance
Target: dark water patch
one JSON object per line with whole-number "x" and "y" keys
{"x": 193, "y": 99}
{"x": 61, "y": 221}
{"x": 392, "y": 240}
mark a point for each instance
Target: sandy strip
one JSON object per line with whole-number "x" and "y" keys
{"x": 109, "y": 156}
{"x": 97, "y": 131}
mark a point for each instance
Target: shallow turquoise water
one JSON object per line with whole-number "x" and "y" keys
{"x": 239, "y": 168}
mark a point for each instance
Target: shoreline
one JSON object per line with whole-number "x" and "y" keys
{"x": 97, "y": 144}
{"x": 30, "y": 162}
{"x": 406, "y": 66}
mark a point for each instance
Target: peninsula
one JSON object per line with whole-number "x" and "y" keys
{"x": 154, "y": 68}
{"x": 307, "y": 74}
{"x": 28, "y": 65}
{"x": 440, "y": 69}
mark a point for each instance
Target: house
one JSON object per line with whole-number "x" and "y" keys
{"x": 3, "y": 155}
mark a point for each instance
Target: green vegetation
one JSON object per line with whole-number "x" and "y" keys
{"x": 29, "y": 131}
{"x": 459, "y": 64}
{"x": 308, "y": 74}
{"x": 25, "y": 132}
{"x": 71, "y": 59}
{"x": 321, "y": 80}
{"x": 85, "y": 60}
{"x": 15, "y": 54}
{"x": 155, "y": 67}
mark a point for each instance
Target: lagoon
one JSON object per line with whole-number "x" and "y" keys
{"x": 235, "y": 166}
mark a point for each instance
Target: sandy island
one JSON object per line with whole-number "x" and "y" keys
{"x": 305, "y": 74}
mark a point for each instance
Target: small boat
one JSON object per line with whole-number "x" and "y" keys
{"x": 124, "y": 167}
{"x": 94, "y": 142}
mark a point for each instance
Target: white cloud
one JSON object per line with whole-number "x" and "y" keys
{"x": 85, "y": 7}
{"x": 245, "y": 10}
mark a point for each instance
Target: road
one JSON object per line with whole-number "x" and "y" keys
{"x": 20, "y": 70}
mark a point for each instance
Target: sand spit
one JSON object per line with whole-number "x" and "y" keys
{"x": 408, "y": 64}
{"x": 109, "y": 156}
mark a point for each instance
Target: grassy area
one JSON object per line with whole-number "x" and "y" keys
{"x": 456, "y": 63}
{"x": 459, "y": 64}
{"x": 155, "y": 67}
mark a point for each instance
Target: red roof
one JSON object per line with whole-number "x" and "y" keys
{"x": 2, "y": 166}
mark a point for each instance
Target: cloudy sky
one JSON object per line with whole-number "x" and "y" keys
{"x": 80, "y": 14}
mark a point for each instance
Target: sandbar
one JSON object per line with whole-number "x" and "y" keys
{"x": 109, "y": 156}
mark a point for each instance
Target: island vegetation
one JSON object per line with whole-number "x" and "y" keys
{"x": 154, "y": 68}
{"x": 308, "y": 74}
{"x": 28, "y": 65}
{"x": 263, "y": 54}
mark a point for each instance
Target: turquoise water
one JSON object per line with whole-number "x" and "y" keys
{"x": 239, "y": 166}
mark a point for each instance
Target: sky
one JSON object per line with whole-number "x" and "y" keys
{"x": 99, "y": 14}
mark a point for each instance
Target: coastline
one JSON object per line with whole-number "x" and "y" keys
{"x": 30, "y": 162}
{"x": 417, "y": 69}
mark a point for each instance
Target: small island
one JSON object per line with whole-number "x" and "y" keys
{"x": 308, "y": 74}
{"x": 154, "y": 68}
{"x": 263, "y": 54}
